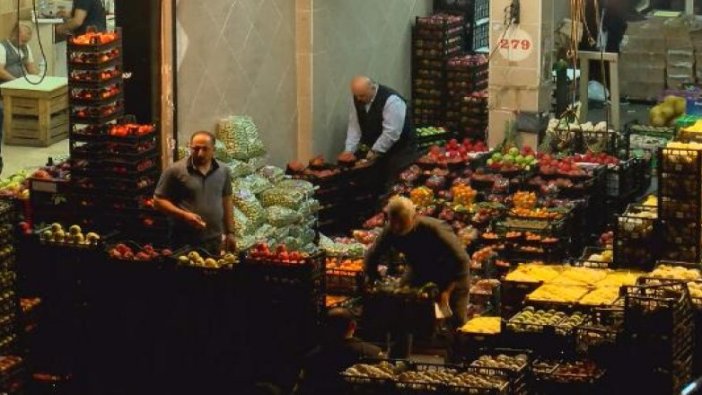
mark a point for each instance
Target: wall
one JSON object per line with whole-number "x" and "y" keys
{"x": 240, "y": 59}
{"x": 8, "y": 14}
{"x": 369, "y": 37}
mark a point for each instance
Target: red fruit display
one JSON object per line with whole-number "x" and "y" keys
{"x": 262, "y": 252}
{"x": 124, "y": 252}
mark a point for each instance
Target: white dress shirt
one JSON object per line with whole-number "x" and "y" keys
{"x": 394, "y": 113}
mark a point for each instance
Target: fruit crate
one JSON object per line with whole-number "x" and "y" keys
{"x": 469, "y": 346}
{"x": 564, "y": 380}
{"x": 90, "y": 60}
{"x": 273, "y": 272}
{"x": 366, "y": 385}
{"x": 656, "y": 309}
{"x": 682, "y": 235}
{"x": 586, "y": 261}
{"x": 680, "y": 186}
{"x": 98, "y": 114}
{"x": 344, "y": 282}
{"x": 545, "y": 339}
{"x": 675, "y": 208}
{"x": 440, "y": 26}
{"x": 130, "y": 168}
{"x": 513, "y": 294}
{"x": 518, "y": 375}
{"x": 620, "y": 179}
{"x": 92, "y": 79}
{"x": 680, "y": 161}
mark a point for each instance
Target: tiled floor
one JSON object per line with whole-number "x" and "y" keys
{"x": 17, "y": 158}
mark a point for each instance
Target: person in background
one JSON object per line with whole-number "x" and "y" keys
{"x": 433, "y": 254}
{"x": 86, "y": 13}
{"x": 338, "y": 351}
{"x": 380, "y": 128}
{"x": 16, "y": 60}
{"x": 196, "y": 193}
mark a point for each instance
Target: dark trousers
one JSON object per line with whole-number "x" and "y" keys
{"x": 402, "y": 338}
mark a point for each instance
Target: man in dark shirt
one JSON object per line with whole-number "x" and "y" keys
{"x": 432, "y": 251}
{"x": 85, "y": 13}
{"x": 196, "y": 193}
{"x": 339, "y": 350}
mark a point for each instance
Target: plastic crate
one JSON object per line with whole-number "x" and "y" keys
{"x": 656, "y": 309}
{"x": 518, "y": 377}
{"x": 620, "y": 180}
{"x": 308, "y": 274}
{"x": 680, "y": 161}
{"x": 340, "y": 281}
{"x": 564, "y": 382}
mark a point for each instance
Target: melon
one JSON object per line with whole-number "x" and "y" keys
{"x": 680, "y": 105}
{"x": 667, "y": 111}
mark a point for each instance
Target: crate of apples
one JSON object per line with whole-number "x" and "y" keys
{"x": 513, "y": 160}
{"x": 128, "y": 251}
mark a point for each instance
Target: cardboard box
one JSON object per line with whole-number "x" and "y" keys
{"x": 677, "y": 82}
{"x": 680, "y": 70}
{"x": 639, "y": 73}
{"x": 642, "y": 58}
{"x": 641, "y": 90}
{"x": 631, "y": 43}
{"x": 648, "y": 28}
{"x": 676, "y": 56}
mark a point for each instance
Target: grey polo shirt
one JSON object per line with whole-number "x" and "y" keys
{"x": 183, "y": 185}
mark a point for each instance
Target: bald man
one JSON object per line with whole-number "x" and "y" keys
{"x": 380, "y": 123}
{"x": 16, "y": 58}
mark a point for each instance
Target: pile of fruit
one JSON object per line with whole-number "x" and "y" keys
{"x": 463, "y": 195}
{"x": 130, "y": 130}
{"x": 582, "y": 276}
{"x": 195, "y": 259}
{"x": 533, "y": 273}
{"x": 15, "y": 186}
{"x": 452, "y": 153}
{"x": 568, "y": 166}
{"x": 383, "y": 370}
{"x": 514, "y": 363}
{"x": 124, "y": 252}
{"x": 94, "y": 38}
{"x": 531, "y": 320}
{"x": 513, "y": 159}
{"x": 536, "y": 213}
{"x": 431, "y": 131}
{"x": 558, "y": 293}
{"x": 280, "y": 255}
{"x": 569, "y": 323}
{"x": 665, "y": 113}
{"x": 74, "y": 236}
{"x": 603, "y": 296}
{"x": 671, "y": 272}
{"x": 483, "y": 325}
{"x": 524, "y": 200}
{"x": 422, "y": 196}
{"x": 474, "y": 380}
{"x": 348, "y": 265}
{"x": 601, "y": 158}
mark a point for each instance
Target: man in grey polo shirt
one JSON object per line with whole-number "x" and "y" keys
{"x": 196, "y": 193}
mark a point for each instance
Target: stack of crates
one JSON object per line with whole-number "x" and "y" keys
{"x": 466, "y": 107}
{"x": 680, "y": 203}
{"x": 436, "y": 39}
{"x": 10, "y": 364}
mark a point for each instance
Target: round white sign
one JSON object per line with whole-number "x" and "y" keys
{"x": 515, "y": 45}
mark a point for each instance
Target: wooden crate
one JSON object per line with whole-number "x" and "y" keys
{"x": 35, "y": 116}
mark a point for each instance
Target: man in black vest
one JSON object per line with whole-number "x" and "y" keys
{"x": 380, "y": 128}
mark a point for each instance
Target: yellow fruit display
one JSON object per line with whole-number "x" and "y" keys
{"x": 695, "y": 292}
{"x": 558, "y": 293}
{"x": 533, "y": 273}
{"x": 582, "y": 275}
{"x": 604, "y": 296}
{"x": 619, "y": 278}
{"x": 483, "y": 325}
{"x": 694, "y": 128}
{"x": 676, "y": 273}
{"x": 651, "y": 201}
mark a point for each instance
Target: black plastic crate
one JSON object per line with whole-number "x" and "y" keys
{"x": 680, "y": 161}
{"x": 620, "y": 179}
{"x": 344, "y": 282}
{"x": 559, "y": 382}
{"x": 680, "y": 186}
{"x": 656, "y": 309}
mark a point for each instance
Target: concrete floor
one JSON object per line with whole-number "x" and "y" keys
{"x": 17, "y": 158}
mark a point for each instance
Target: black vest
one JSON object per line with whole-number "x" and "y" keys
{"x": 371, "y": 121}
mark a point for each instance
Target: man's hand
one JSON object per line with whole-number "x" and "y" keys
{"x": 229, "y": 243}
{"x": 194, "y": 220}
{"x": 444, "y": 300}
{"x": 372, "y": 156}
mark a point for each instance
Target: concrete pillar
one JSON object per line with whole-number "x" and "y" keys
{"x": 520, "y": 66}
